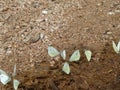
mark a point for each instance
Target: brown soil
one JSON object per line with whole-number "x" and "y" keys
{"x": 28, "y": 27}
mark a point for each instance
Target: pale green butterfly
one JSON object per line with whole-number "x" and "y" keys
{"x": 116, "y": 47}
{"x": 16, "y": 84}
{"x": 66, "y": 68}
{"x": 63, "y": 54}
{"x": 53, "y": 52}
{"x": 75, "y": 56}
{"x": 4, "y": 77}
{"x": 88, "y": 54}
{"x": 14, "y": 71}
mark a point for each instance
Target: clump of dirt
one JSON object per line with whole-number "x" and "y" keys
{"x": 28, "y": 27}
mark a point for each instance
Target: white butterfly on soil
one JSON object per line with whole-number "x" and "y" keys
{"x": 75, "y": 56}
{"x": 16, "y": 84}
{"x": 53, "y": 52}
{"x": 4, "y": 77}
{"x": 116, "y": 47}
{"x": 63, "y": 54}
{"x": 66, "y": 68}
{"x": 88, "y": 54}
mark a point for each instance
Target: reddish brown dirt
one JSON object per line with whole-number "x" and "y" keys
{"x": 64, "y": 24}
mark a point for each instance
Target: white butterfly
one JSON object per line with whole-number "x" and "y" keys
{"x": 16, "y": 84}
{"x": 116, "y": 47}
{"x": 88, "y": 54}
{"x": 53, "y": 52}
{"x": 4, "y": 77}
{"x": 75, "y": 56}
{"x": 14, "y": 71}
{"x": 66, "y": 68}
{"x": 63, "y": 54}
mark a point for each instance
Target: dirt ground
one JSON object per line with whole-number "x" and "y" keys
{"x": 28, "y": 27}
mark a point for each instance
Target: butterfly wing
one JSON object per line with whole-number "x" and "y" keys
{"x": 53, "y": 51}
{"x": 88, "y": 54}
{"x": 115, "y": 47}
{"x": 66, "y": 68}
{"x": 75, "y": 56}
{"x": 63, "y": 54}
{"x": 4, "y": 77}
{"x": 118, "y": 46}
{"x": 16, "y": 84}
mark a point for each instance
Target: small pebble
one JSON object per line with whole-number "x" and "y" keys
{"x": 41, "y": 36}
{"x": 35, "y": 4}
{"x": 1, "y": 23}
{"x": 52, "y": 63}
{"x": 109, "y": 33}
{"x": 111, "y": 13}
{"x": 99, "y": 4}
{"x": 117, "y": 11}
{"x": 44, "y": 12}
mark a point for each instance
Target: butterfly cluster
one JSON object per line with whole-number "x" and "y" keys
{"x": 5, "y": 78}
{"x": 53, "y": 52}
